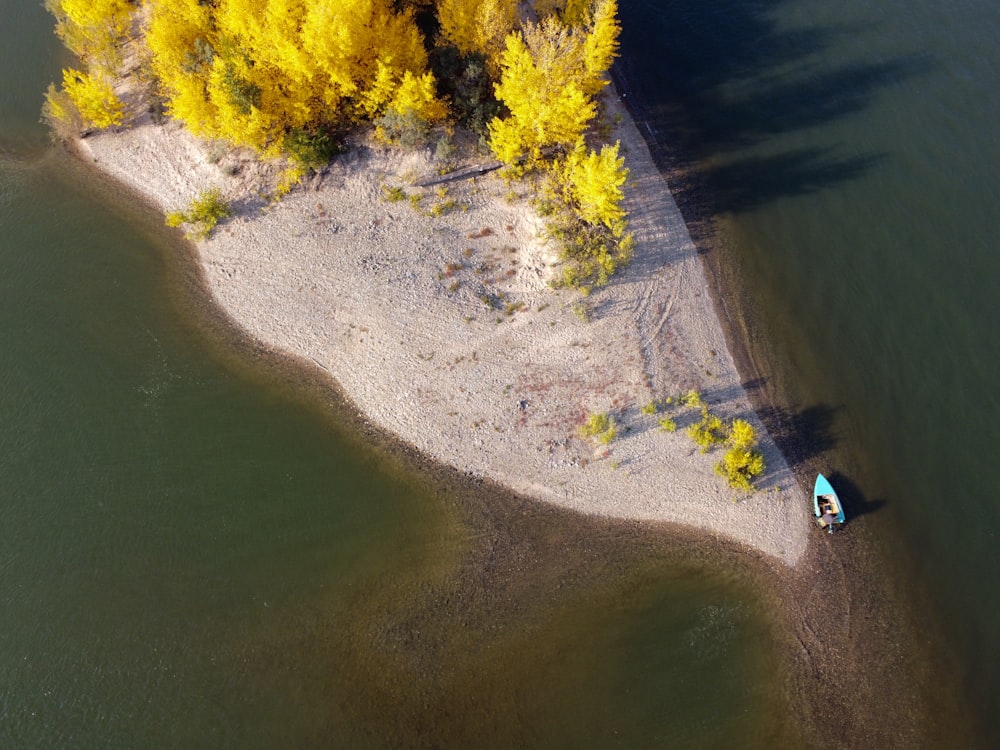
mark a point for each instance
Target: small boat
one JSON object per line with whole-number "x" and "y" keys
{"x": 826, "y": 505}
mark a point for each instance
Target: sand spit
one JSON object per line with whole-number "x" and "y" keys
{"x": 444, "y": 330}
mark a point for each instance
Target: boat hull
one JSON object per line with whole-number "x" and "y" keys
{"x": 828, "y": 509}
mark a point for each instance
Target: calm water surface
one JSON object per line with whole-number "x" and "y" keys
{"x": 850, "y": 152}
{"x": 197, "y": 549}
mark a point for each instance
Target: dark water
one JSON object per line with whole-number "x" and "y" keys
{"x": 847, "y": 153}
{"x": 201, "y": 548}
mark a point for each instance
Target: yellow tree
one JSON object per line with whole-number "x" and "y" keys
{"x": 91, "y": 96}
{"x": 259, "y": 72}
{"x": 93, "y": 29}
{"x": 182, "y": 41}
{"x": 348, "y": 37}
{"x": 573, "y": 12}
{"x": 550, "y": 73}
{"x": 541, "y": 87}
{"x": 593, "y": 182}
{"x": 600, "y": 47}
{"x": 477, "y": 26}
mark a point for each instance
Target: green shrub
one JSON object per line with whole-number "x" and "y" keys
{"x": 667, "y": 424}
{"x": 393, "y": 194}
{"x": 311, "y": 148}
{"x": 590, "y": 254}
{"x": 708, "y": 432}
{"x": 204, "y": 213}
{"x": 741, "y": 464}
{"x": 601, "y": 427}
{"x": 403, "y": 129}
{"x": 465, "y": 81}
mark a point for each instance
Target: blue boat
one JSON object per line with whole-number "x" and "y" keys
{"x": 826, "y": 505}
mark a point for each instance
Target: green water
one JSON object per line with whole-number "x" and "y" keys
{"x": 847, "y": 153}
{"x": 201, "y": 547}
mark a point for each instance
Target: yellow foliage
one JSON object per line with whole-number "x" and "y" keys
{"x": 92, "y": 29}
{"x": 403, "y": 94}
{"x": 477, "y": 26}
{"x": 601, "y": 45}
{"x": 288, "y": 179}
{"x": 550, "y": 72}
{"x": 347, "y": 37}
{"x": 181, "y": 40}
{"x": 418, "y": 95}
{"x": 94, "y": 99}
{"x": 594, "y": 182}
{"x": 547, "y": 106}
{"x": 60, "y": 112}
{"x": 742, "y": 434}
{"x": 253, "y": 71}
{"x": 572, "y": 12}
{"x": 378, "y": 96}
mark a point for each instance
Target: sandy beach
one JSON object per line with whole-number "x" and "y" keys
{"x": 445, "y": 331}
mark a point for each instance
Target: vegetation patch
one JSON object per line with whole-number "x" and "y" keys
{"x": 204, "y": 213}
{"x": 600, "y": 427}
{"x": 741, "y": 464}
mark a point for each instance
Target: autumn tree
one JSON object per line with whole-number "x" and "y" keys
{"x": 592, "y": 183}
{"x": 93, "y": 29}
{"x": 261, "y": 72}
{"x": 550, "y": 73}
{"x": 477, "y": 26}
{"x": 546, "y": 104}
{"x": 93, "y": 98}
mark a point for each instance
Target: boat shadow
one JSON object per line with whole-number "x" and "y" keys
{"x": 855, "y": 502}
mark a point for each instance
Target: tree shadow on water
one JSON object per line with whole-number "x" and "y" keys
{"x": 711, "y": 81}
{"x": 752, "y": 182}
{"x": 801, "y": 434}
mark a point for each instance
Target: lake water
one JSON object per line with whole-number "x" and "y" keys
{"x": 848, "y": 154}
{"x": 202, "y": 547}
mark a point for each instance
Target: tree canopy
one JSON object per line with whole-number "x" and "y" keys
{"x": 284, "y": 76}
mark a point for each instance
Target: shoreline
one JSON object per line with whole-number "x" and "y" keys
{"x": 500, "y": 368}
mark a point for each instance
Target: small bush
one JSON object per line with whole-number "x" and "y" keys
{"x": 708, "y": 432}
{"x": 311, "y": 148}
{"x": 443, "y": 207}
{"x": 693, "y": 399}
{"x": 667, "y": 424}
{"x": 403, "y": 129}
{"x": 393, "y": 194}
{"x": 204, "y": 213}
{"x": 444, "y": 153}
{"x": 741, "y": 464}
{"x": 591, "y": 254}
{"x": 601, "y": 427}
